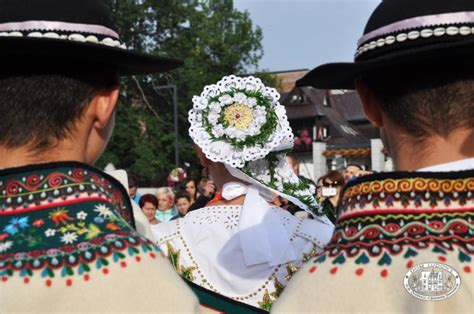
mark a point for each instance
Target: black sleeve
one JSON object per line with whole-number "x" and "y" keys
{"x": 200, "y": 202}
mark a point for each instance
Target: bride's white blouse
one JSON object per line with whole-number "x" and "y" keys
{"x": 205, "y": 247}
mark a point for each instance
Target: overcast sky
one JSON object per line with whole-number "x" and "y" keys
{"x": 299, "y": 34}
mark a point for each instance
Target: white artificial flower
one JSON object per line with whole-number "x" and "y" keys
{"x": 260, "y": 111}
{"x": 215, "y": 107}
{"x": 81, "y": 215}
{"x": 260, "y": 121}
{"x": 218, "y": 130}
{"x": 226, "y": 99}
{"x": 251, "y": 101}
{"x": 240, "y": 98}
{"x": 240, "y": 134}
{"x": 50, "y": 233}
{"x": 69, "y": 238}
{"x": 230, "y": 132}
{"x": 213, "y": 117}
{"x": 4, "y": 246}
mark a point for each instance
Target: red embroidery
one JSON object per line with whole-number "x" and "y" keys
{"x": 359, "y": 271}
{"x": 384, "y": 273}
{"x": 410, "y": 264}
{"x": 69, "y": 282}
{"x": 442, "y": 258}
{"x": 467, "y": 269}
{"x": 123, "y": 264}
{"x": 312, "y": 269}
{"x": 333, "y": 270}
{"x": 105, "y": 271}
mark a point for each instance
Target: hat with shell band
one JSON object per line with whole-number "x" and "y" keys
{"x": 402, "y": 34}
{"x": 239, "y": 122}
{"x": 74, "y": 30}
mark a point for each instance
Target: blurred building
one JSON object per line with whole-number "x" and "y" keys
{"x": 330, "y": 128}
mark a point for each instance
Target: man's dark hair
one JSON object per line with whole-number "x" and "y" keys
{"x": 182, "y": 195}
{"x": 426, "y": 100}
{"x": 132, "y": 180}
{"x": 354, "y": 165}
{"x": 39, "y": 103}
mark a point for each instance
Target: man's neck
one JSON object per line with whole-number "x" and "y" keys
{"x": 410, "y": 154}
{"x": 17, "y": 157}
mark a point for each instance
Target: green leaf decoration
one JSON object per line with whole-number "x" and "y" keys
{"x": 410, "y": 253}
{"x": 86, "y": 267}
{"x": 69, "y": 271}
{"x": 463, "y": 257}
{"x": 320, "y": 259}
{"x": 437, "y": 249}
{"x": 340, "y": 259}
{"x": 93, "y": 231}
{"x": 362, "y": 259}
{"x": 385, "y": 260}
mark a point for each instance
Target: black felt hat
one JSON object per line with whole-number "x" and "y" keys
{"x": 404, "y": 34}
{"x": 79, "y": 31}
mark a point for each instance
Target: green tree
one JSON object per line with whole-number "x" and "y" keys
{"x": 212, "y": 38}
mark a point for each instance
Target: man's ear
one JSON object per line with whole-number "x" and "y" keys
{"x": 103, "y": 103}
{"x": 369, "y": 103}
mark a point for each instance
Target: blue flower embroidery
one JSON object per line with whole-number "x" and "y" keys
{"x": 16, "y": 224}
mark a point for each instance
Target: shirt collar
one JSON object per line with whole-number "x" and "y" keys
{"x": 459, "y": 165}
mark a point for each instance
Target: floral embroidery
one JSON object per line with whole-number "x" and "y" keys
{"x": 16, "y": 224}
{"x": 20, "y": 191}
{"x": 5, "y": 246}
{"x": 174, "y": 256}
{"x": 267, "y": 302}
{"x": 378, "y": 224}
{"x": 69, "y": 236}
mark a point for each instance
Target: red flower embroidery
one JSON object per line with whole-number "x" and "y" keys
{"x": 67, "y": 248}
{"x": 3, "y": 236}
{"x": 38, "y": 223}
{"x": 35, "y": 254}
{"x": 60, "y": 216}
{"x": 112, "y": 226}
{"x": 97, "y": 241}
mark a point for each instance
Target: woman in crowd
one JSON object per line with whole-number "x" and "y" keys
{"x": 166, "y": 209}
{"x": 239, "y": 251}
{"x": 183, "y": 202}
{"x": 189, "y": 186}
{"x": 149, "y": 203}
{"x": 330, "y": 190}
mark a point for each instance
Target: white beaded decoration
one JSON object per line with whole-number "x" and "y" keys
{"x": 72, "y": 37}
{"x": 414, "y": 35}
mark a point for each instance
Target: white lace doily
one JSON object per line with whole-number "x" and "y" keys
{"x": 239, "y": 120}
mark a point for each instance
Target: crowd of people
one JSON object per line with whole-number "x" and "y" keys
{"x": 183, "y": 195}
{"x": 173, "y": 201}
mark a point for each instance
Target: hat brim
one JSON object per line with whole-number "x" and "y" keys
{"x": 128, "y": 62}
{"x": 343, "y": 75}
